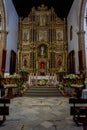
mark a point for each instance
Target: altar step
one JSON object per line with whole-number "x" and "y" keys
{"x": 41, "y": 91}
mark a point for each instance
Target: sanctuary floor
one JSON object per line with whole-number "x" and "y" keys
{"x": 39, "y": 113}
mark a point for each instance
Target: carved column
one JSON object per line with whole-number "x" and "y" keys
{"x": 19, "y": 46}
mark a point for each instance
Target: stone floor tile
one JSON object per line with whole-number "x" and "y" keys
{"x": 40, "y": 113}
{"x": 46, "y": 124}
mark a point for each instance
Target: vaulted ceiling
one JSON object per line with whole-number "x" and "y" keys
{"x": 62, "y": 7}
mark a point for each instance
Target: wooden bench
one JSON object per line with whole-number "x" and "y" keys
{"x": 78, "y": 110}
{"x": 4, "y": 109}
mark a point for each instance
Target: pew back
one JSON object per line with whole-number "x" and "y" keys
{"x": 4, "y": 109}
{"x": 78, "y": 110}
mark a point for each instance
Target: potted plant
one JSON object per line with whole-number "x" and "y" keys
{"x": 16, "y": 79}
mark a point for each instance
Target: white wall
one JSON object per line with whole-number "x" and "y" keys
{"x": 73, "y": 20}
{"x": 12, "y": 29}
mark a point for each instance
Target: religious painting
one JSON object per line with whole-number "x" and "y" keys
{"x": 42, "y": 35}
{"x": 25, "y": 35}
{"x": 59, "y": 35}
{"x": 59, "y": 60}
{"x": 25, "y": 60}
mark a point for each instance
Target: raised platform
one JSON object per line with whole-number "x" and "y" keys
{"x": 43, "y": 91}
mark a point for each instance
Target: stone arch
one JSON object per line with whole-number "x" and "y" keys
{"x": 3, "y": 34}
{"x": 81, "y": 17}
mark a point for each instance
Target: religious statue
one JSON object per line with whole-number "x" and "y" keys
{"x": 42, "y": 50}
{"x": 26, "y": 35}
{"x": 26, "y": 61}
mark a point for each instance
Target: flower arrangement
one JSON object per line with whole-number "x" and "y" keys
{"x": 42, "y": 82}
{"x": 15, "y": 75}
{"x": 71, "y": 77}
{"x": 61, "y": 70}
{"x": 24, "y": 73}
{"x": 85, "y": 82}
{"x": 24, "y": 70}
{"x": 17, "y": 79}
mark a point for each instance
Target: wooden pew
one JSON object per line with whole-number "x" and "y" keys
{"x": 78, "y": 110}
{"x": 4, "y": 109}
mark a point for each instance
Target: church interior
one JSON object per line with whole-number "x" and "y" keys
{"x": 43, "y": 64}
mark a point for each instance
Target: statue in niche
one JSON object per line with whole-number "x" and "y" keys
{"x": 42, "y": 20}
{"x": 26, "y": 61}
{"x": 25, "y": 35}
{"x": 42, "y": 50}
{"x": 59, "y": 35}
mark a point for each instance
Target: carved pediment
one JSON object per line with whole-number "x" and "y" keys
{"x": 25, "y": 20}
{"x": 59, "y": 21}
{"x": 42, "y": 7}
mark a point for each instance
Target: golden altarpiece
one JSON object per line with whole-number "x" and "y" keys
{"x": 42, "y": 46}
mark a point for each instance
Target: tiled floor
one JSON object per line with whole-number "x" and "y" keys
{"x": 39, "y": 113}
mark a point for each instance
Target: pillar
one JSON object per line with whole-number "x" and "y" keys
{"x": 81, "y": 47}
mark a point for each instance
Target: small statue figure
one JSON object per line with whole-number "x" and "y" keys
{"x": 42, "y": 50}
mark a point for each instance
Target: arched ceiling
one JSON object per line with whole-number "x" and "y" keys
{"x": 62, "y": 7}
